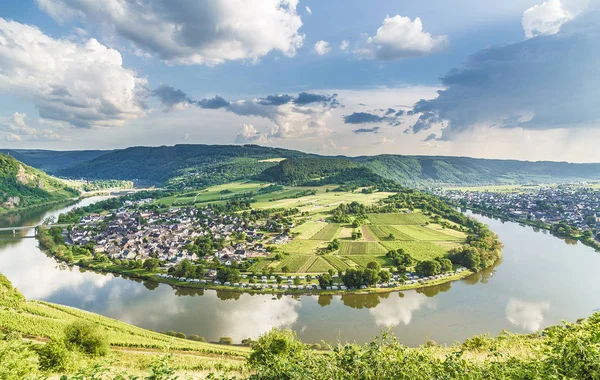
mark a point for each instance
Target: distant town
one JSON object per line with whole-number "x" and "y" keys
{"x": 574, "y": 205}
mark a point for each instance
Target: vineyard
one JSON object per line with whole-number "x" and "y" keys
{"x": 361, "y": 248}
{"x": 415, "y": 218}
{"x": 327, "y": 233}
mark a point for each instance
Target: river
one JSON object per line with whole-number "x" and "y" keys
{"x": 540, "y": 281}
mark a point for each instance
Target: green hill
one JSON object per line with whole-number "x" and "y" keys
{"x": 200, "y": 165}
{"x": 23, "y": 186}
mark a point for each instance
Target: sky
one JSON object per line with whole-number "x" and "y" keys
{"x": 515, "y": 79}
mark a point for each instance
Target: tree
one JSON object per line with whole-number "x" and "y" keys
{"x": 374, "y": 265}
{"x": 446, "y": 264}
{"x": 228, "y": 275}
{"x": 275, "y": 346}
{"x": 151, "y": 264}
{"x": 384, "y": 275}
{"x": 225, "y": 340}
{"x": 297, "y": 281}
{"x": 428, "y": 268}
{"x": 285, "y": 269}
{"x": 325, "y": 280}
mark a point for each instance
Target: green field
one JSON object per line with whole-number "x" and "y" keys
{"x": 320, "y": 265}
{"x": 361, "y": 248}
{"x": 260, "y": 265}
{"x": 296, "y": 263}
{"x": 308, "y": 229}
{"x": 301, "y": 247}
{"x": 213, "y": 193}
{"x": 418, "y": 250}
{"x": 425, "y": 234}
{"x": 327, "y": 233}
{"x": 382, "y": 233}
{"x": 415, "y": 218}
{"x": 336, "y": 262}
{"x": 363, "y": 261}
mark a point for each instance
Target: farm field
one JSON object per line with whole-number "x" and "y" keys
{"x": 327, "y": 233}
{"x": 363, "y": 261}
{"x": 361, "y": 248}
{"x": 320, "y": 265}
{"x": 382, "y": 233}
{"x": 308, "y": 229}
{"x": 296, "y": 263}
{"x": 425, "y": 234}
{"x": 212, "y": 194}
{"x": 418, "y": 250}
{"x": 323, "y": 201}
{"x": 447, "y": 231}
{"x": 415, "y": 218}
{"x": 336, "y": 262}
{"x": 345, "y": 233}
{"x": 299, "y": 246}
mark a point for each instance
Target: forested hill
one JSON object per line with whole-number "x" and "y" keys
{"x": 23, "y": 186}
{"x": 197, "y": 165}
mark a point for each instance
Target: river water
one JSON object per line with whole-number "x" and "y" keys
{"x": 540, "y": 281}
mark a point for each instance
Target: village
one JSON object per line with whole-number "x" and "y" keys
{"x": 576, "y": 205}
{"x": 169, "y": 235}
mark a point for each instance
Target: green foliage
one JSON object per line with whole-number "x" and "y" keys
{"x": 225, "y": 340}
{"x": 428, "y": 268}
{"x": 275, "y": 347}
{"x": 228, "y": 274}
{"x": 55, "y": 357}
{"x": 87, "y": 338}
{"x": 17, "y": 360}
{"x": 23, "y": 186}
{"x": 303, "y": 171}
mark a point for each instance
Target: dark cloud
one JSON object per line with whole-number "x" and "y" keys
{"x": 362, "y": 118}
{"x": 170, "y": 96}
{"x": 212, "y": 103}
{"x": 389, "y": 111}
{"x": 275, "y": 100}
{"x": 544, "y": 82}
{"x": 432, "y": 136}
{"x": 366, "y": 130}
{"x": 305, "y": 98}
{"x": 400, "y": 113}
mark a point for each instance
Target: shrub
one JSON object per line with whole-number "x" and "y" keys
{"x": 273, "y": 346}
{"x": 87, "y": 338}
{"x": 55, "y": 357}
{"x": 225, "y": 340}
{"x": 196, "y": 338}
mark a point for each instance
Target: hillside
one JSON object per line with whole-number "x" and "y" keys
{"x": 23, "y": 186}
{"x": 33, "y": 344}
{"x": 201, "y": 165}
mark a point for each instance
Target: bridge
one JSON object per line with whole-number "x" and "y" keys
{"x": 24, "y": 228}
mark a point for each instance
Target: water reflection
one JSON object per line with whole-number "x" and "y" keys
{"x": 392, "y": 311}
{"x": 526, "y": 314}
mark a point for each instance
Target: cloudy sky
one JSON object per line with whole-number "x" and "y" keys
{"x": 511, "y": 79}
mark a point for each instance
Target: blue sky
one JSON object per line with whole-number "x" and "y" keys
{"x": 81, "y": 74}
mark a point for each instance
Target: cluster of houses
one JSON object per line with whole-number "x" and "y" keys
{"x": 129, "y": 234}
{"x": 575, "y": 204}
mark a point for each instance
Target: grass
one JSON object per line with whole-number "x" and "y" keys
{"x": 418, "y": 250}
{"x": 425, "y": 234}
{"x": 382, "y": 233}
{"x": 415, "y": 218}
{"x": 308, "y": 229}
{"x": 363, "y": 260}
{"x": 302, "y": 247}
{"x": 327, "y": 233}
{"x": 320, "y": 265}
{"x": 336, "y": 262}
{"x": 296, "y": 263}
{"x": 361, "y": 248}
{"x": 260, "y": 265}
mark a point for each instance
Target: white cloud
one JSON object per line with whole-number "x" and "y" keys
{"x": 322, "y": 47}
{"x": 206, "y": 32}
{"x": 392, "y": 311}
{"x": 83, "y": 84}
{"x": 548, "y": 17}
{"x": 18, "y": 129}
{"x": 386, "y": 140}
{"x": 399, "y": 37}
{"x": 12, "y": 137}
{"x": 344, "y": 45}
{"x": 527, "y": 315}
{"x": 308, "y": 10}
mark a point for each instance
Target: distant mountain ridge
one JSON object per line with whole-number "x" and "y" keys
{"x": 197, "y": 165}
{"x": 23, "y": 186}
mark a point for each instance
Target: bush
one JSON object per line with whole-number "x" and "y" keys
{"x": 274, "y": 346}
{"x": 17, "y": 360}
{"x": 55, "y": 357}
{"x": 87, "y": 338}
{"x": 225, "y": 340}
{"x": 196, "y": 338}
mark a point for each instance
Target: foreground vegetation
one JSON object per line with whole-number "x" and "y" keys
{"x": 41, "y": 340}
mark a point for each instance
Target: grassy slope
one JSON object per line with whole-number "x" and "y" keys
{"x": 130, "y": 345}
{"x": 31, "y": 186}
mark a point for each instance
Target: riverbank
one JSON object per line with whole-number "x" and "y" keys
{"x": 41, "y": 206}
{"x": 537, "y": 224}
